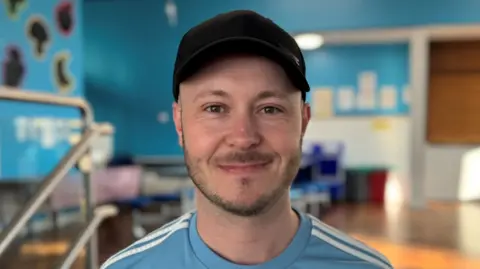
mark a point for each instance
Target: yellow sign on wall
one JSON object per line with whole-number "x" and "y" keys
{"x": 381, "y": 124}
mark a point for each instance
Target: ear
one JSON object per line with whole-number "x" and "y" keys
{"x": 306, "y": 114}
{"x": 177, "y": 118}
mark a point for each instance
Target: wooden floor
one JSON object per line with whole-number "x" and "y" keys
{"x": 444, "y": 236}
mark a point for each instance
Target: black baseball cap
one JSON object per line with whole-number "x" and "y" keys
{"x": 240, "y": 31}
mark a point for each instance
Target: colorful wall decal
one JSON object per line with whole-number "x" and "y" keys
{"x": 14, "y": 8}
{"x": 39, "y": 35}
{"x": 64, "y": 17}
{"x": 13, "y": 67}
{"x": 62, "y": 76}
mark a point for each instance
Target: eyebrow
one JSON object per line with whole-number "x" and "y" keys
{"x": 271, "y": 94}
{"x": 218, "y": 93}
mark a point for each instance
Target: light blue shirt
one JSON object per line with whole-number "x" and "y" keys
{"x": 177, "y": 245}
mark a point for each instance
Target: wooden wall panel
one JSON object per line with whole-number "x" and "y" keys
{"x": 455, "y": 57}
{"x": 453, "y": 114}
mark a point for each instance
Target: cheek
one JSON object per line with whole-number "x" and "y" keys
{"x": 200, "y": 142}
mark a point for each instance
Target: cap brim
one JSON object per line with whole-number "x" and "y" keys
{"x": 248, "y": 45}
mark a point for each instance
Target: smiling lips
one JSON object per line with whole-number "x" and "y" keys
{"x": 243, "y": 167}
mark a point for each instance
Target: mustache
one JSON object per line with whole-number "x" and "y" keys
{"x": 244, "y": 157}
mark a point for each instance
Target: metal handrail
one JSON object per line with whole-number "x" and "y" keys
{"x": 49, "y": 99}
{"x": 13, "y": 94}
{"x": 101, "y": 213}
{"x": 45, "y": 189}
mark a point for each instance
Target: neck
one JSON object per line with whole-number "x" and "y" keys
{"x": 247, "y": 240}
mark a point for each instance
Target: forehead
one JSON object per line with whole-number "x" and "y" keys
{"x": 248, "y": 72}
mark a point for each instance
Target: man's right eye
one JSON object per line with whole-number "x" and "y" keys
{"x": 215, "y": 109}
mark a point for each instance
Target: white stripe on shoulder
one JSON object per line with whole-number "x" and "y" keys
{"x": 349, "y": 250}
{"x": 172, "y": 229}
{"x": 341, "y": 236}
{"x": 166, "y": 228}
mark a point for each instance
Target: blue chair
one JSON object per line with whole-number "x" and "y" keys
{"x": 322, "y": 168}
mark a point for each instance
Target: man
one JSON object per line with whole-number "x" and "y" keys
{"x": 240, "y": 115}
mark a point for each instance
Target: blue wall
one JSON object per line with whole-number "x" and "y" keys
{"x": 32, "y": 156}
{"x": 129, "y": 56}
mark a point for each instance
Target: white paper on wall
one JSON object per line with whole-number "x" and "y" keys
{"x": 63, "y": 129}
{"x": 346, "y": 98}
{"x": 388, "y": 97}
{"x": 367, "y": 84}
{"x": 367, "y": 81}
{"x": 322, "y": 101}
{"x": 21, "y": 129}
{"x": 365, "y": 100}
{"x": 48, "y": 133}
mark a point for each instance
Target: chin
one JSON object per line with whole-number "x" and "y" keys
{"x": 243, "y": 201}
{"x": 246, "y": 201}
{"x": 244, "y": 208}
{"x": 243, "y": 197}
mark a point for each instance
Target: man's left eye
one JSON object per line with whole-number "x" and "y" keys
{"x": 271, "y": 110}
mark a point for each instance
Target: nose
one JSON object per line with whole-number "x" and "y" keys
{"x": 244, "y": 133}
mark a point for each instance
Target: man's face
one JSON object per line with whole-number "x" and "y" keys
{"x": 241, "y": 123}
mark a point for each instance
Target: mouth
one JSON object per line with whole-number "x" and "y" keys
{"x": 243, "y": 167}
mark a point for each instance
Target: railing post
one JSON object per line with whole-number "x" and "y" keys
{"x": 91, "y": 261}
{"x": 91, "y": 248}
{"x": 101, "y": 213}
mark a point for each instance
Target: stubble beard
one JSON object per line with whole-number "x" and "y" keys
{"x": 262, "y": 204}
